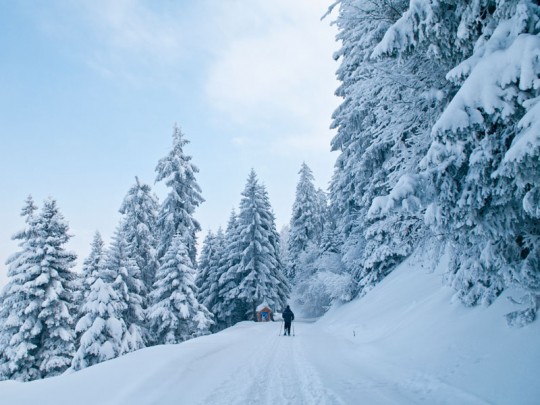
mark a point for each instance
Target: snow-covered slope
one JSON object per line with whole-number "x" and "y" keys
{"x": 403, "y": 343}
{"x": 422, "y": 342}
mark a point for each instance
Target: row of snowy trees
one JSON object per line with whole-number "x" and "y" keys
{"x": 140, "y": 291}
{"x": 242, "y": 268}
{"x": 438, "y": 135}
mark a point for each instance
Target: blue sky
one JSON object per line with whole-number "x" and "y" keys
{"x": 90, "y": 91}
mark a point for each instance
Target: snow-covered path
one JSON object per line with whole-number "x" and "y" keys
{"x": 246, "y": 364}
{"x": 271, "y": 369}
{"x": 251, "y": 364}
{"x": 316, "y": 368}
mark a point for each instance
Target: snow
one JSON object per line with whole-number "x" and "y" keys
{"x": 404, "y": 342}
{"x": 526, "y": 142}
{"x": 404, "y": 32}
{"x": 488, "y": 87}
{"x": 262, "y": 306}
{"x": 405, "y": 187}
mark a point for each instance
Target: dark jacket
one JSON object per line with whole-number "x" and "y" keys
{"x": 288, "y": 315}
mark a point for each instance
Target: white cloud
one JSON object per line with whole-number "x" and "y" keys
{"x": 276, "y": 67}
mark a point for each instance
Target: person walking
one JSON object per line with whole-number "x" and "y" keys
{"x": 288, "y": 317}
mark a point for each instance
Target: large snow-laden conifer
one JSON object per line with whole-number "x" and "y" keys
{"x": 140, "y": 209}
{"x": 306, "y": 225}
{"x": 259, "y": 276}
{"x": 38, "y": 329}
{"x": 482, "y": 164}
{"x": 383, "y": 125}
{"x": 91, "y": 264}
{"x": 124, "y": 275}
{"x": 204, "y": 263}
{"x": 175, "y": 314}
{"x": 102, "y": 330}
{"x": 213, "y": 255}
{"x": 19, "y": 364}
{"x": 176, "y": 212}
{"x": 229, "y": 309}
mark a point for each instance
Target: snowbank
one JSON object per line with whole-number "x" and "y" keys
{"x": 410, "y": 317}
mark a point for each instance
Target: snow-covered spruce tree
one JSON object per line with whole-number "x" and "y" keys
{"x": 175, "y": 314}
{"x": 102, "y": 331}
{"x": 91, "y": 264}
{"x": 139, "y": 209}
{"x": 212, "y": 255}
{"x": 176, "y": 212}
{"x": 228, "y": 308}
{"x": 38, "y": 331}
{"x": 322, "y": 209}
{"x": 18, "y": 364}
{"x": 383, "y": 127}
{"x": 124, "y": 275}
{"x": 259, "y": 276}
{"x": 483, "y": 161}
{"x": 307, "y": 220}
{"x": 205, "y": 264}
{"x": 284, "y": 253}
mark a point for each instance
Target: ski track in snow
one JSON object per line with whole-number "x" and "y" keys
{"x": 276, "y": 372}
{"x": 304, "y": 370}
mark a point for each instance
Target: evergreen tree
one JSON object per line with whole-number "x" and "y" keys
{"x": 139, "y": 210}
{"x": 90, "y": 267}
{"x": 212, "y": 253}
{"x": 383, "y": 127}
{"x": 228, "y": 309}
{"x": 205, "y": 264}
{"x": 307, "y": 219}
{"x": 176, "y": 212}
{"x": 19, "y": 364}
{"x": 176, "y": 314}
{"x": 124, "y": 275}
{"x": 38, "y": 332}
{"x": 284, "y": 246}
{"x": 259, "y": 275}
{"x": 449, "y": 145}
{"x": 103, "y": 332}
{"x": 482, "y": 167}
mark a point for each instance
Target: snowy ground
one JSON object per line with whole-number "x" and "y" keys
{"x": 404, "y": 343}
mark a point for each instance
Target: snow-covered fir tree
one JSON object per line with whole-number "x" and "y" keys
{"x": 125, "y": 277}
{"x": 230, "y": 309}
{"x": 205, "y": 262}
{"x": 20, "y": 364}
{"x": 491, "y": 212}
{"x": 91, "y": 264}
{"x": 259, "y": 276}
{"x": 37, "y": 333}
{"x": 102, "y": 331}
{"x": 176, "y": 212}
{"x": 211, "y": 260}
{"x": 469, "y": 168}
{"x": 284, "y": 246}
{"x": 175, "y": 314}
{"x": 140, "y": 209}
{"x": 306, "y": 225}
{"x": 383, "y": 126}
